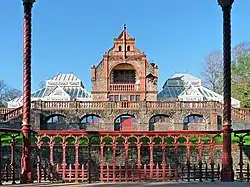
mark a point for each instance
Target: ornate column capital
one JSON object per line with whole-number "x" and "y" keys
{"x": 225, "y": 3}
{"x": 29, "y": 1}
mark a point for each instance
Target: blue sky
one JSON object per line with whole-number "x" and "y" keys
{"x": 70, "y": 36}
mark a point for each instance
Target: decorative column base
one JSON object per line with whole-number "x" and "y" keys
{"x": 227, "y": 176}
{"x": 26, "y": 171}
{"x": 26, "y": 178}
{"x": 227, "y": 173}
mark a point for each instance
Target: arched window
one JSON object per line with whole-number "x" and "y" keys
{"x": 128, "y": 48}
{"x": 124, "y": 122}
{"x": 56, "y": 121}
{"x": 90, "y": 120}
{"x": 158, "y": 120}
{"x": 120, "y": 48}
{"x": 193, "y": 118}
{"x": 123, "y": 74}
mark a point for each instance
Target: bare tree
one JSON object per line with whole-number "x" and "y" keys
{"x": 213, "y": 71}
{"x": 240, "y": 50}
{"x": 7, "y": 94}
{"x": 212, "y": 74}
{"x": 2, "y": 85}
{"x": 2, "y": 88}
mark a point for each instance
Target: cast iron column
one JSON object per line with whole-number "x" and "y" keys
{"x": 26, "y": 174}
{"x": 227, "y": 173}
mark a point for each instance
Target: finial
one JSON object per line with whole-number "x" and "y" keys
{"x": 124, "y": 27}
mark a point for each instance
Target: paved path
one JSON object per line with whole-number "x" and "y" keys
{"x": 159, "y": 184}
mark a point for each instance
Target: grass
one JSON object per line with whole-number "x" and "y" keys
{"x": 234, "y": 139}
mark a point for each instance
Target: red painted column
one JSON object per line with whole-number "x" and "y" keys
{"x": 77, "y": 160}
{"x": 126, "y": 145}
{"x": 227, "y": 173}
{"x": 64, "y": 163}
{"x": 51, "y": 151}
{"x": 114, "y": 146}
{"x": 101, "y": 161}
{"x": 26, "y": 176}
{"x": 164, "y": 163}
{"x": 139, "y": 159}
{"x": 38, "y": 158}
{"x": 151, "y": 159}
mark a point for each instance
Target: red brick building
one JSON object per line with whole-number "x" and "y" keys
{"x": 124, "y": 97}
{"x": 124, "y": 73}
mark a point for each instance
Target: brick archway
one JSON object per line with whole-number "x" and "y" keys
{"x": 91, "y": 122}
{"x": 159, "y": 122}
{"x": 194, "y": 122}
{"x": 121, "y": 64}
{"x": 55, "y": 122}
{"x": 124, "y": 122}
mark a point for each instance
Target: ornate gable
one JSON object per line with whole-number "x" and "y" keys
{"x": 124, "y": 46}
{"x": 124, "y": 73}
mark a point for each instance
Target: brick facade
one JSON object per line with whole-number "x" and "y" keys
{"x": 124, "y": 56}
{"x": 175, "y": 114}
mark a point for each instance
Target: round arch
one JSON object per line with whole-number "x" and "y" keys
{"x": 158, "y": 120}
{"x": 56, "y": 122}
{"x": 120, "y": 65}
{"x": 193, "y": 119}
{"x": 124, "y": 122}
{"x": 123, "y": 73}
{"x": 89, "y": 121}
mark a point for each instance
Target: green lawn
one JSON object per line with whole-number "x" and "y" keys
{"x": 95, "y": 140}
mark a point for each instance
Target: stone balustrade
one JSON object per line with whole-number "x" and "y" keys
{"x": 122, "y": 87}
{"x": 239, "y": 113}
{"x": 5, "y": 110}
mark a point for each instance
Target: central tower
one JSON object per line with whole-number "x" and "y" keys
{"x": 124, "y": 73}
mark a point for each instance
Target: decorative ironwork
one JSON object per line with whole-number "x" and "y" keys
{"x": 130, "y": 156}
{"x": 243, "y": 172}
{"x": 99, "y": 156}
{"x": 8, "y": 164}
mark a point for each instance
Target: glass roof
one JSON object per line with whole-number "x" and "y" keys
{"x": 39, "y": 93}
{"x": 170, "y": 92}
{"x": 76, "y": 92}
{"x": 49, "y": 90}
{"x": 207, "y": 93}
